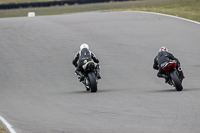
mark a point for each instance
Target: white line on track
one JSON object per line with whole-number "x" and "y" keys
{"x": 8, "y": 126}
{"x": 170, "y": 16}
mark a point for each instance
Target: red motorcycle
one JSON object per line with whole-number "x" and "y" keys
{"x": 175, "y": 76}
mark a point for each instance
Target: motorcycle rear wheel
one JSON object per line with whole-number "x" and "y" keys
{"x": 92, "y": 82}
{"x": 176, "y": 81}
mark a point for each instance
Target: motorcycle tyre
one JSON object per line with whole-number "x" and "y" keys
{"x": 176, "y": 80}
{"x": 92, "y": 80}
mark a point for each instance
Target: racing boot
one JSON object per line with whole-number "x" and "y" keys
{"x": 98, "y": 72}
{"x": 98, "y": 76}
{"x": 87, "y": 88}
{"x": 166, "y": 78}
{"x": 163, "y": 76}
{"x": 81, "y": 76}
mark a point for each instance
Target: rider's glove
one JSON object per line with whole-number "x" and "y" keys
{"x": 155, "y": 67}
{"x": 96, "y": 60}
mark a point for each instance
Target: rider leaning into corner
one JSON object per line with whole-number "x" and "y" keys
{"x": 165, "y": 56}
{"x": 79, "y": 58}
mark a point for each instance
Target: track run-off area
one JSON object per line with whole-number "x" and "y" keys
{"x": 39, "y": 92}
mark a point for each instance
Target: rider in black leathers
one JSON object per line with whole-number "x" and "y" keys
{"x": 80, "y": 57}
{"x": 165, "y": 56}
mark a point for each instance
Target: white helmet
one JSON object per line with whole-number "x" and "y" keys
{"x": 163, "y": 48}
{"x": 84, "y": 45}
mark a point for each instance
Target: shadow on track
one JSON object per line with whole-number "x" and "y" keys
{"x": 174, "y": 90}
{"x": 98, "y": 91}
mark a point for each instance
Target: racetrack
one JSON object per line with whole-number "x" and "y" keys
{"x": 39, "y": 92}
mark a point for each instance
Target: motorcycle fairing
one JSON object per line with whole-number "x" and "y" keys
{"x": 169, "y": 65}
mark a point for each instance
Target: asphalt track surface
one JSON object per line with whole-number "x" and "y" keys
{"x": 39, "y": 92}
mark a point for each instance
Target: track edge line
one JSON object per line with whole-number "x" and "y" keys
{"x": 6, "y": 125}
{"x": 162, "y": 14}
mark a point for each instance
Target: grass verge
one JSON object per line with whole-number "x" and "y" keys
{"x": 183, "y": 8}
{"x": 188, "y": 9}
{"x": 2, "y": 130}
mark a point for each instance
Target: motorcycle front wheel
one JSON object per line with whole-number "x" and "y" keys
{"x": 176, "y": 81}
{"x": 92, "y": 82}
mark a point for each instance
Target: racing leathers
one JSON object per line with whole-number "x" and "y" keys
{"x": 162, "y": 57}
{"x": 78, "y": 62}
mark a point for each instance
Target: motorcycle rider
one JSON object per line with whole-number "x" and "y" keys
{"x": 165, "y": 56}
{"x": 79, "y": 58}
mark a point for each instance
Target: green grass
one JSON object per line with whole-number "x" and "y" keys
{"x": 189, "y": 9}
{"x": 2, "y": 130}
{"x": 69, "y": 9}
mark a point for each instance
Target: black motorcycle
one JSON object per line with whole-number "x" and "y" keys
{"x": 90, "y": 80}
{"x": 175, "y": 76}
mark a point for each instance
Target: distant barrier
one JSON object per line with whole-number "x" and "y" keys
{"x": 52, "y": 3}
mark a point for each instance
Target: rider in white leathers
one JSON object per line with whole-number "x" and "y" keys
{"x": 78, "y": 61}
